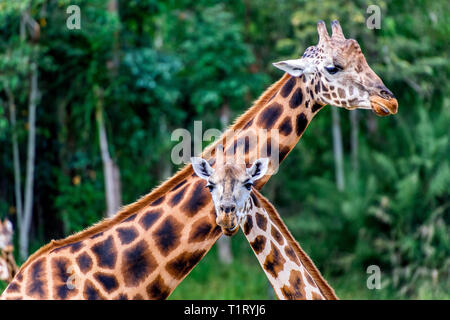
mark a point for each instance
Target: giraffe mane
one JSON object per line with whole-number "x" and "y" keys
{"x": 323, "y": 285}
{"x": 163, "y": 188}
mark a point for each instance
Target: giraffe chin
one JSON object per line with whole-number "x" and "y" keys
{"x": 230, "y": 231}
{"x": 383, "y": 107}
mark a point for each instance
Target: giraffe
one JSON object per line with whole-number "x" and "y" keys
{"x": 288, "y": 268}
{"x": 151, "y": 245}
{"x": 230, "y": 184}
{"x": 8, "y": 267}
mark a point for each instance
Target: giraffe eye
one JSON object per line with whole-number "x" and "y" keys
{"x": 210, "y": 187}
{"x": 333, "y": 69}
{"x": 248, "y": 185}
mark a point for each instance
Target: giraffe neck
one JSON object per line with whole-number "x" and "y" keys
{"x": 149, "y": 247}
{"x": 288, "y": 268}
{"x": 274, "y": 129}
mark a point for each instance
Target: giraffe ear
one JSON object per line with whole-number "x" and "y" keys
{"x": 201, "y": 167}
{"x": 295, "y": 67}
{"x": 258, "y": 169}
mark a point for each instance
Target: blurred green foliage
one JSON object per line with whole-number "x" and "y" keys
{"x": 184, "y": 60}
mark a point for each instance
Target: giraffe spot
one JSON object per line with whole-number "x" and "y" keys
{"x": 296, "y": 99}
{"x": 258, "y": 244}
{"x": 13, "y": 287}
{"x": 181, "y": 265}
{"x": 285, "y": 127}
{"x": 200, "y": 230}
{"x": 157, "y": 202}
{"x": 105, "y": 253}
{"x": 316, "y": 107}
{"x": 291, "y": 254}
{"x": 274, "y": 261}
{"x": 248, "y": 124}
{"x": 137, "y": 264}
{"x": 261, "y": 221}
{"x": 158, "y": 290}
{"x": 270, "y": 115}
{"x": 19, "y": 276}
{"x": 74, "y": 247}
{"x": 197, "y": 199}
{"x": 317, "y": 87}
{"x": 334, "y": 95}
{"x": 179, "y": 185}
{"x": 327, "y": 96}
{"x": 301, "y": 123}
{"x": 324, "y": 88}
{"x": 297, "y": 287}
{"x": 60, "y": 276}
{"x": 167, "y": 236}
{"x": 149, "y": 218}
{"x": 84, "y": 262}
{"x": 287, "y": 87}
{"x": 130, "y": 218}
{"x": 248, "y": 225}
{"x": 121, "y": 296}
{"x": 138, "y": 297}
{"x": 107, "y": 281}
{"x": 350, "y": 90}
{"x": 276, "y": 235}
{"x": 284, "y": 151}
{"x": 37, "y": 276}
{"x": 177, "y": 197}
{"x": 341, "y": 93}
{"x": 90, "y": 292}
{"x": 127, "y": 234}
{"x": 97, "y": 235}
{"x": 255, "y": 200}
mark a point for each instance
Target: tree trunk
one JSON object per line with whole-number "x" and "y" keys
{"x": 24, "y": 229}
{"x": 224, "y": 242}
{"x": 110, "y": 170}
{"x": 338, "y": 150}
{"x": 16, "y": 157}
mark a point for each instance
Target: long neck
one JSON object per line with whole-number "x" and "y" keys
{"x": 288, "y": 268}
{"x": 274, "y": 129}
{"x": 162, "y": 236}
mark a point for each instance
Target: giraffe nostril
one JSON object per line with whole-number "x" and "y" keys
{"x": 232, "y": 208}
{"x": 385, "y": 93}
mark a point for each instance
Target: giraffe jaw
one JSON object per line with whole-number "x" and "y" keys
{"x": 383, "y": 107}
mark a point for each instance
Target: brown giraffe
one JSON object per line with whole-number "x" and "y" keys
{"x": 288, "y": 268}
{"x": 150, "y": 246}
{"x": 8, "y": 267}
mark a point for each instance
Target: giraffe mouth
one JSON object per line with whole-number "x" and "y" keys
{"x": 383, "y": 107}
{"x": 230, "y": 231}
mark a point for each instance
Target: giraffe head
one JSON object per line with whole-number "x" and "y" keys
{"x": 339, "y": 74}
{"x": 6, "y": 235}
{"x": 230, "y": 184}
